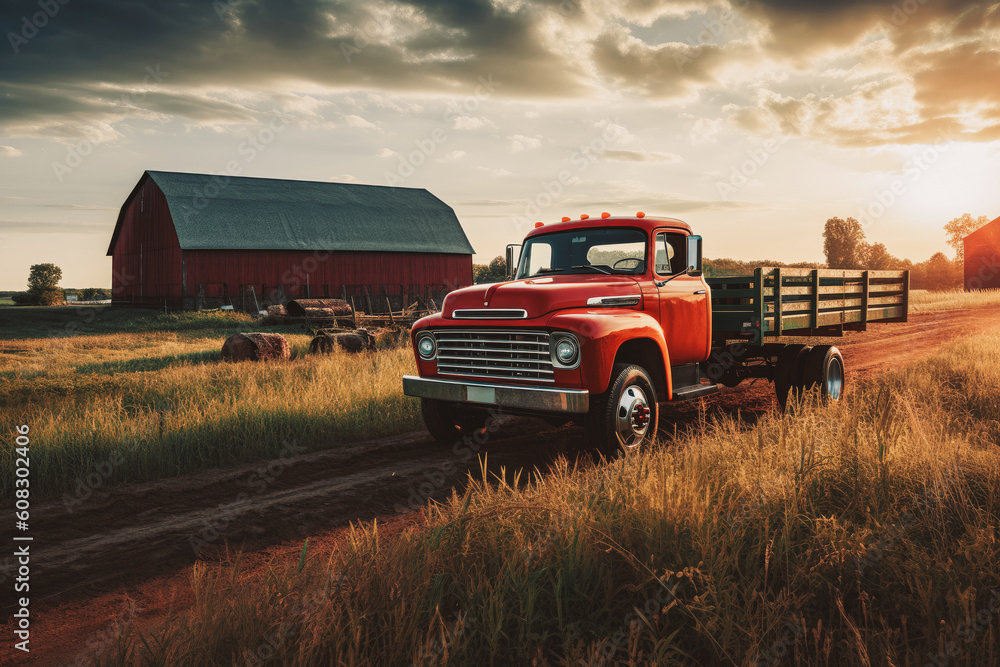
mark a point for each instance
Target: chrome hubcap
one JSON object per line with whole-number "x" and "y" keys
{"x": 835, "y": 379}
{"x": 633, "y": 416}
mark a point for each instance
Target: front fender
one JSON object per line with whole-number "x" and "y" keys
{"x": 602, "y": 333}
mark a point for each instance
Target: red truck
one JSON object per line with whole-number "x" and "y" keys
{"x": 602, "y": 319}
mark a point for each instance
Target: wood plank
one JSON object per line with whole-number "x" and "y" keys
{"x": 808, "y": 290}
{"x": 816, "y": 298}
{"x": 886, "y": 300}
{"x": 777, "y": 301}
{"x": 759, "y": 305}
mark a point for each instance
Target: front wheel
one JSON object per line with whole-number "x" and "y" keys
{"x": 450, "y": 423}
{"x": 624, "y": 418}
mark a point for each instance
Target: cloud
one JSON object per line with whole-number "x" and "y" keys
{"x": 26, "y": 227}
{"x": 359, "y": 122}
{"x": 949, "y": 83}
{"x": 421, "y": 45}
{"x": 472, "y": 123}
{"x": 802, "y": 29}
{"x": 706, "y": 130}
{"x": 192, "y": 107}
{"x": 669, "y": 70}
{"x": 231, "y": 62}
{"x": 10, "y": 151}
{"x": 495, "y": 172}
{"x": 641, "y": 156}
{"x": 520, "y": 142}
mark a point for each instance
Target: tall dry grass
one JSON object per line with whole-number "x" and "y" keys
{"x": 925, "y": 300}
{"x": 139, "y": 406}
{"x": 863, "y": 533}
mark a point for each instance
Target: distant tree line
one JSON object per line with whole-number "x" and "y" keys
{"x": 845, "y": 247}
{"x": 44, "y": 290}
{"x": 93, "y": 294}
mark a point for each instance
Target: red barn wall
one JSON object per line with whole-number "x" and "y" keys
{"x": 402, "y": 277}
{"x": 982, "y": 258}
{"x": 146, "y": 260}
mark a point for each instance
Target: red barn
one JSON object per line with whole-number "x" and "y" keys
{"x": 197, "y": 240}
{"x": 982, "y": 258}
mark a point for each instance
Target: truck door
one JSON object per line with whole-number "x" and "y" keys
{"x": 684, "y": 309}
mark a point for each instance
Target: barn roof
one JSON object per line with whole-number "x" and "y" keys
{"x": 242, "y": 213}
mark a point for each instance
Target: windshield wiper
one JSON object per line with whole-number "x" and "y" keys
{"x": 595, "y": 268}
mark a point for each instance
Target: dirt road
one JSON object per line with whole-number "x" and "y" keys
{"x": 138, "y": 542}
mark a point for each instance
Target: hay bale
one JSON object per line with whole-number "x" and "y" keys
{"x": 322, "y": 308}
{"x": 277, "y": 310}
{"x": 321, "y": 344}
{"x": 255, "y": 347}
{"x": 358, "y": 340}
{"x": 391, "y": 337}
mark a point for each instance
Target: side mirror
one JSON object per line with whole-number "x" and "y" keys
{"x": 512, "y": 261}
{"x": 694, "y": 256}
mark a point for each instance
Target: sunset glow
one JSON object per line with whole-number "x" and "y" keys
{"x": 754, "y": 120}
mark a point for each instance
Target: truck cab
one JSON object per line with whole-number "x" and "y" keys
{"x": 602, "y": 319}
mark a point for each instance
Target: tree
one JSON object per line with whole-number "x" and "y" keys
{"x": 940, "y": 273}
{"x": 94, "y": 294}
{"x": 877, "y": 258}
{"x": 961, "y": 227}
{"x": 843, "y": 243}
{"x": 494, "y": 272}
{"x": 43, "y": 284}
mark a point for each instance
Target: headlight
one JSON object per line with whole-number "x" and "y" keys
{"x": 426, "y": 345}
{"x": 565, "y": 350}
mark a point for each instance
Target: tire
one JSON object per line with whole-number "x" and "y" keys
{"x": 624, "y": 418}
{"x": 824, "y": 369}
{"x": 788, "y": 373}
{"x": 450, "y": 423}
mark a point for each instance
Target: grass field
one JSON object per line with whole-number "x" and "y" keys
{"x": 923, "y": 300}
{"x": 149, "y": 393}
{"x": 862, "y": 533}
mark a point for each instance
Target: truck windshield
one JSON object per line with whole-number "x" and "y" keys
{"x": 599, "y": 250}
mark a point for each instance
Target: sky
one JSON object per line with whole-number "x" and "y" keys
{"x": 753, "y": 120}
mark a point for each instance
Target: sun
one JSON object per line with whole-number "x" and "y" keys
{"x": 941, "y": 182}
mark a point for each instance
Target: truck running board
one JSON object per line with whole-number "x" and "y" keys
{"x": 694, "y": 391}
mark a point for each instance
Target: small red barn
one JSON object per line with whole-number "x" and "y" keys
{"x": 198, "y": 240}
{"x": 982, "y": 258}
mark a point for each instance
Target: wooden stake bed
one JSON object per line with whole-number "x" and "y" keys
{"x": 805, "y": 302}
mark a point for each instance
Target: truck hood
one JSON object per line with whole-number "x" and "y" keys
{"x": 537, "y": 296}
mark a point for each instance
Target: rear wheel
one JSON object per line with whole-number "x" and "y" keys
{"x": 450, "y": 423}
{"x": 626, "y": 416}
{"x": 789, "y": 372}
{"x": 824, "y": 368}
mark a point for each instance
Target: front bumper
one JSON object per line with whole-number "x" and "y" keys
{"x": 542, "y": 399}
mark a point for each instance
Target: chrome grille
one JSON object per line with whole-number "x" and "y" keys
{"x": 495, "y": 355}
